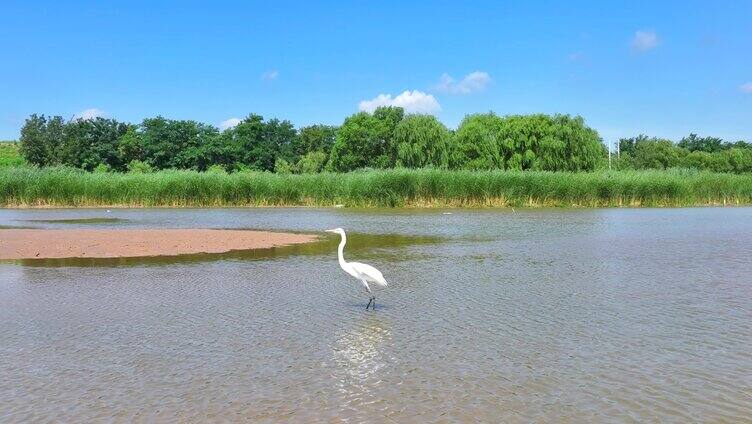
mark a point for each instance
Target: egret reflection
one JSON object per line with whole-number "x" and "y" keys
{"x": 359, "y": 354}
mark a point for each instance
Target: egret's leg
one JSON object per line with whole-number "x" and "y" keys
{"x": 368, "y": 289}
{"x": 374, "y": 303}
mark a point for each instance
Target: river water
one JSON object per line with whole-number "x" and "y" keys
{"x": 618, "y": 315}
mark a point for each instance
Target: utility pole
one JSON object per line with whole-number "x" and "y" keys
{"x": 609, "y": 155}
{"x": 618, "y": 150}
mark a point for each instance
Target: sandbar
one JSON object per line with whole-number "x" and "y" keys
{"x": 124, "y": 243}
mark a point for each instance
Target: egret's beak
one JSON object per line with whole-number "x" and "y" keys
{"x": 331, "y": 231}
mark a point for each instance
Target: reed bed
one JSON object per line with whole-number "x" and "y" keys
{"x": 33, "y": 187}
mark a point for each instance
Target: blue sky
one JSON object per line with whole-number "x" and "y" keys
{"x": 664, "y": 69}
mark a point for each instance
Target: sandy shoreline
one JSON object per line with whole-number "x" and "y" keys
{"x": 124, "y": 243}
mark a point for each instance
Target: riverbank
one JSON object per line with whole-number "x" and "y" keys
{"x": 117, "y": 243}
{"x": 62, "y": 187}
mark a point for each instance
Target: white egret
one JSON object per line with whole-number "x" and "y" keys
{"x": 363, "y": 272}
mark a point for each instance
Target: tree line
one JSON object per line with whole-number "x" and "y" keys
{"x": 386, "y": 138}
{"x": 693, "y": 152}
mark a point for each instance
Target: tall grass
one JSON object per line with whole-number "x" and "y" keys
{"x": 24, "y": 186}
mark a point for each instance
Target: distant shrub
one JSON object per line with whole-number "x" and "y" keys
{"x": 312, "y": 163}
{"x": 282, "y": 166}
{"x": 216, "y": 169}
{"x": 102, "y": 168}
{"x": 139, "y": 167}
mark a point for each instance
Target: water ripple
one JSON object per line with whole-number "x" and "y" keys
{"x": 537, "y": 316}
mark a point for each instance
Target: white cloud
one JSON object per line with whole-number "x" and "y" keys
{"x": 87, "y": 114}
{"x": 412, "y": 101}
{"x": 645, "y": 40}
{"x": 229, "y": 123}
{"x": 472, "y": 83}
{"x": 270, "y": 75}
{"x": 746, "y": 87}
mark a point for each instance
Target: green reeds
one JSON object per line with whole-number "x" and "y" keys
{"x": 28, "y": 187}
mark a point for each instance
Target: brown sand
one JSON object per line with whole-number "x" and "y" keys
{"x": 84, "y": 243}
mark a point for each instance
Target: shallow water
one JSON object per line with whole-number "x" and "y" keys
{"x": 538, "y": 315}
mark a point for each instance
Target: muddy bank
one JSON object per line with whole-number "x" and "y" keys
{"x": 85, "y": 243}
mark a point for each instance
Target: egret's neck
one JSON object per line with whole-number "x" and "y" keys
{"x": 341, "y": 252}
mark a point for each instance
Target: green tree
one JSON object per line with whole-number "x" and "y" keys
{"x": 627, "y": 145}
{"x": 476, "y": 143}
{"x": 421, "y": 140}
{"x": 365, "y": 140}
{"x": 258, "y": 144}
{"x": 740, "y": 159}
{"x": 33, "y": 140}
{"x": 177, "y": 144}
{"x": 720, "y": 161}
{"x": 281, "y": 135}
{"x": 41, "y": 138}
{"x": 314, "y": 138}
{"x": 545, "y": 142}
{"x": 696, "y": 160}
{"x": 130, "y": 145}
{"x": 88, "y": 143}
{"x": 576, "y": 147}
{"x": 741, "y": 144}
{"x": 693, "y": 143}
{"x": 656, "y": 154}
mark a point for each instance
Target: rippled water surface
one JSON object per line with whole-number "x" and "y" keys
{"x": 541, "y": 315}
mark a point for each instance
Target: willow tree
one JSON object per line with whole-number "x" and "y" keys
{"x": 476, "y": 144}
{"x": 420, "y": 141}
{"x": 544, "y": 142}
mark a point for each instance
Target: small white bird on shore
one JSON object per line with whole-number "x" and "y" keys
{"x": 363, "y": 272}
